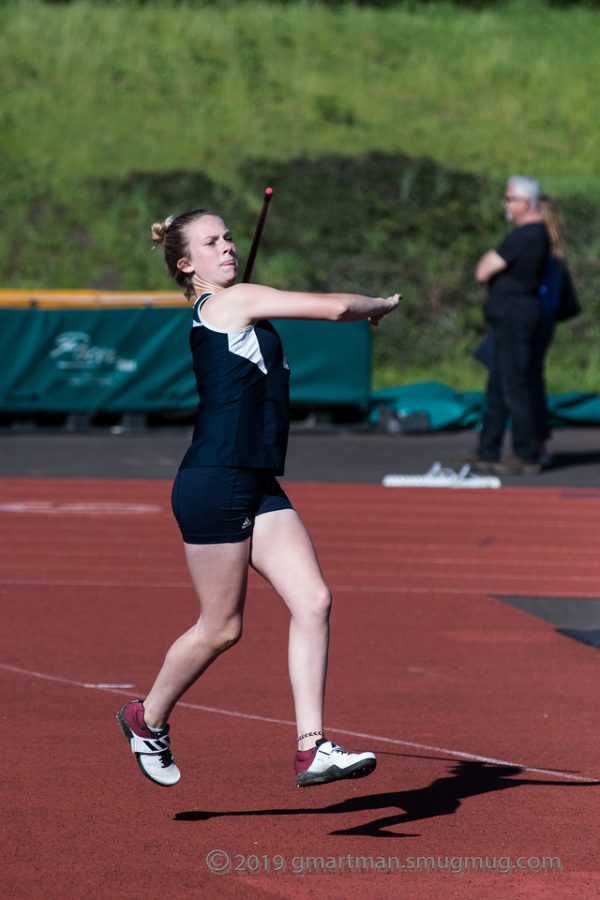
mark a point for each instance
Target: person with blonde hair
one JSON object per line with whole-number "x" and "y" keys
{"x": 558, "y": 302}
{"x": 549, "y": 300}
{"x": 229, "y": 505}
{"x": 553, "y": 221}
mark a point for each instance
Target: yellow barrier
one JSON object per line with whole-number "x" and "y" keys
{"x": 77, "y": 299}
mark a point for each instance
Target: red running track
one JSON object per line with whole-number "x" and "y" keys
{"x": 484, "y": 718}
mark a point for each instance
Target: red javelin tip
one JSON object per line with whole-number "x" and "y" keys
{"x": 269, "y": 191}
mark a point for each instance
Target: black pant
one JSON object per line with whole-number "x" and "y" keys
{"x": 515, "y": 387}
{"x": 544, "y": 336}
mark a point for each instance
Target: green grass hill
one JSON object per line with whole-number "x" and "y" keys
{"x": 386, "y": 133}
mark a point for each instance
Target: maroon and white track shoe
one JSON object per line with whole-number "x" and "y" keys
{"x": 329, "y": 762}
{"x": 152, "y": 748}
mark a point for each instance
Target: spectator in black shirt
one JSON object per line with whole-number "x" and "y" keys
{"x": 513, "y": 273}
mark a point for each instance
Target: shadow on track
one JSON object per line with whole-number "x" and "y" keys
{"x": 574, "y": 459}
{"x": 442, "y": 797}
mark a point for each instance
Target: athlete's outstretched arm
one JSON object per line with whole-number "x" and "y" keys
{"x": 245, "y": 304}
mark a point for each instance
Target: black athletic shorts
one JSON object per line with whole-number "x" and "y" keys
{"x": 218, "y": 505}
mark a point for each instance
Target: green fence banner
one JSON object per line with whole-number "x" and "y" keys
{"x": 138, "y": 359}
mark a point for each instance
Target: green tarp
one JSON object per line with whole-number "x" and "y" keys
{"x": 138, "y": 359}
{"x": 441, "y": 407}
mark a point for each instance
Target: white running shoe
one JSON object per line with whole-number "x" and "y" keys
{"x": 331, "y": 763}
{"x": 151, "y": 748}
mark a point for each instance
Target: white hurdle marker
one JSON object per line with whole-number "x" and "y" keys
{"x": 439, "y": 477}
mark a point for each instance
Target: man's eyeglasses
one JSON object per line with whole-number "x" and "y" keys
{"x": 508, "y": 200}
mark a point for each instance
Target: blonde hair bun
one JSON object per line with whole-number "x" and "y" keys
{"x": 158, "y": 230}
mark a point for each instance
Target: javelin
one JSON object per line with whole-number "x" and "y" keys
{"x": 257, "y": 234}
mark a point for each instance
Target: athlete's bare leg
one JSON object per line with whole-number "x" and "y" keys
{"x": 283, "y": 553}
{"x": 219, "y": 574}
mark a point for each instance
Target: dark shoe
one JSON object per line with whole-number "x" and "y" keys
{"x": 518, "y": 466}
{"x": 481, "y": 466}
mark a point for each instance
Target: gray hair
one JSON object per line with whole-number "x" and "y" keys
{"x": 528, "y": 188}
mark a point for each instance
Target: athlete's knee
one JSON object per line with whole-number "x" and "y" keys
{"x": 323, "y": 601}
{"x": 223, "y": 635}
{"x": 230, "y": 633}
{"x": 316, "y": 604}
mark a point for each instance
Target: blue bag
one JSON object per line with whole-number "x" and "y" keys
{"x": 558, "y": 297}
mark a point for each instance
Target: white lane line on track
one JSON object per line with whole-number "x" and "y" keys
{"x": 257, "y": 586}
{"x": 457, "y": 754}
{"x": 99, "y": 686}
{"x": 434, "y": 589}
{"x": 50, "y": 507}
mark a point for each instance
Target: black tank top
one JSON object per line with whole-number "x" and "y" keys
{"x": 242, "y": 378}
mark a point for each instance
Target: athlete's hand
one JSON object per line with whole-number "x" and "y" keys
{"x": 392, "y": 302}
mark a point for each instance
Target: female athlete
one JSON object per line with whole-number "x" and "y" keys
{"x": 228, "y": 503}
